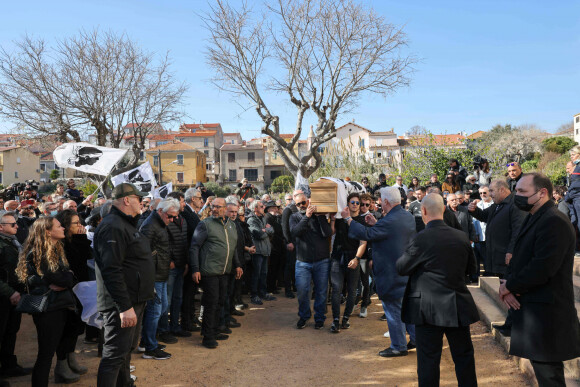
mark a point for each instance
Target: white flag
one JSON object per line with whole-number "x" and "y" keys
{"x": 161, "y": 192}
{"x": 88, "y": 158}
{"x": 142, "y": 176}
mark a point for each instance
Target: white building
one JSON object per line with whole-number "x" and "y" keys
{"x": 577, "y": 128}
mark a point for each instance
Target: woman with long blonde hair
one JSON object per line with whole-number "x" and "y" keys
{"x": 43, "y": 267}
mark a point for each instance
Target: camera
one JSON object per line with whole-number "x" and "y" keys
{"x": 478, "y": 162}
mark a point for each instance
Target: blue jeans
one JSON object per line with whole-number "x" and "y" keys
{"x": 316, "y": 272}
{"x": 153, "y": 311}
{"x": 397, "y": 328}
{"x": 259, "y": 274}
{"x": 174, "y": 297}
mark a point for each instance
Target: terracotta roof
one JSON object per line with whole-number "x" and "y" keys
{"x": 241, "y": 147}
{"x": 47, "y": 156}
{"x": 158, "y": 137}
{"x": 287, "y": 135}
{"x": 302, "y": 141}
{"x": 173, "y": 146}
{"x": 198, "y": 126}
{"x": 389, "y": 133}
{"x": 7, "y": 148}
{"x": 204, "y": 133}
{"x": 477, "y": 134}
{"x": 438, "y": 139}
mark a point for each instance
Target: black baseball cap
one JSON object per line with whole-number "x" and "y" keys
{"x": 126, "y": 189}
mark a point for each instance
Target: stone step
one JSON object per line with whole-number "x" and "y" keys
{"x": 491, "y": 311}
{"x": 577, "y": 265}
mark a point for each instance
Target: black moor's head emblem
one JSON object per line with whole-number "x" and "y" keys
{"x": 84, "y": 155}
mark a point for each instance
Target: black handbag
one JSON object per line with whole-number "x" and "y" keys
{"x": 32, "y": 303}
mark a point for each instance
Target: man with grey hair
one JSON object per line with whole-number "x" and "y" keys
{"x": 125, "y": 280}
{"x": 155, "y": 228}
{"x": 390, "y": 237}
{"x": 266, "y": 198}
{"x": 261, "y": 234}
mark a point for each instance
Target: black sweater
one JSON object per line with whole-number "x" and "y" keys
{"x": 311, "y": 235}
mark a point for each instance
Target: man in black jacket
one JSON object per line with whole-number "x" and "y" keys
{"x": 277, "y": 257}
{"x": 463, "y": 217}
{"x": 10, "y": 291}
{"x": 539, "y": 284}
{"x": 514, "y": 175}
{"x": 290, "y": 209}
{"x": 155, "y": 229}
{"x": 311, "y": 233}
{"x": 436, "y": 299}
{"x": 125, "y": 280}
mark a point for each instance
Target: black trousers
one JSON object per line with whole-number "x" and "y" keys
{"x": 214, "y": 294}
{"x": 429, "y": 345}
{"x": 188, "y": 301}
{"x": 289, "y": 270}
{"x": 549, "y": 374}
{"x": 57, "y": 331}
{"x": 9, "y": 326}
{"x": 119, "y": 342}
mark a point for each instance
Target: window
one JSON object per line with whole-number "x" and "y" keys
{"x": 155, "y": 161}
{"x": 16, "y": 175}
{"x": 1, "y": 181}
{"x": 179, "y": 159}
{"x": 576, "y": 131}
{"x": 233, "y": 175}
{"x": 232, "y": 142}
{"x": 180, "y": 177}
{"x": 231, "y": 157}
{"x": 379, "y": 141}
{"x": 141, "y": 155}
{"x": 251, "y": 156}
{"x": 578, "y": 119}
{"x": 275, "y": 174}
{"x": 43, "y": 167}
{"x": 251, "y": 174}
{"x": 206, "y": 153}
{"x": 361, "y": 142}
{"x": 206, "y": 142}
{"x": 275, "y": 155}
{"x": 207, "y": 167}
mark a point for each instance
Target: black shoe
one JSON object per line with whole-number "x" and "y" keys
{"x": 301, "y": 323}
{"x": 319, "y": 325}
{"x": 167, "y": 338}
{"x": 345, "y": 324}
{"x": 335, "y": 326}
{"x": 289, "y": 294}
{"x": 390, "y": 352}
{"x": 383, "y": 317}
{"x": 233, "y": 319}
{"x": 411, "y": 345}
{"x": 156, "y": 354}
{"x": 503, "y": 329}
{"x": 15, "y": 371}
{"x": 236, "y": 312}
{"x": 211, "y": 344}
{"x": 181, "y": 333}
{"x": 232, "y": 324}
{"x": 224, "y": 329}
{"x": 221, "y": 336}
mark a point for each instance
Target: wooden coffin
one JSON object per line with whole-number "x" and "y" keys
{"x": 323, "y": 195}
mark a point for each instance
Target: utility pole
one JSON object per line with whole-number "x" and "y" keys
{"x": 160, "y": 171}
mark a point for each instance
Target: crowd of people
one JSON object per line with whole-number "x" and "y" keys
{"x": 415, "y": 245}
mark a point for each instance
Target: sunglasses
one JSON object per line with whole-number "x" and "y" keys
{"x": 302, "y": 203}
{"x": 483, "y": 193}
{"x": 354, "y": 202}
{"x": 10, "y": 224}
{"x": 172, "y": 216}
{"x": 511, "y": 164}
{"x": 365, "y": 204}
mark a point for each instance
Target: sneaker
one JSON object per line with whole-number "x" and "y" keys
{"x": 211, "y": 344}
{"x": 390, "y": 352}
{"x": 411, "y": 345}
{"x": 167, "y": 338}
{"x": 239, "y": 307}
{"x": 335, "y": 326}
{"x": 256, "y": 300}
{"x": 345, "y": 324}
{"x": 363, "y": 312}
{"x": 156, "y": 354}
{"x": 387, "y": 334}
{"x": 269, "y": 297}
{"x": 181, "y": 333}
{"x": 383, "y": 317}
{"x": 221, "y": 336}
{"x": 141, "y": 346}
{"x": 133, "y": 378}
{"x": 319, "y": 325}
{"x": 132, "y": 368}
{"x": 301, "y": 323}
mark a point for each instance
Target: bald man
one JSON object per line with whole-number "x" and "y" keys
{"x": 436, "y": 299}
{"x": 514, "y": 175}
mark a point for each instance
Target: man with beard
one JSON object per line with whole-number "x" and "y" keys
{"x": 211, "y": 260}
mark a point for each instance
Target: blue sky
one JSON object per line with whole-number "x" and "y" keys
{"x": 483, "y": 62}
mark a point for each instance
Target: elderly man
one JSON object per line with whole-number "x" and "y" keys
{"x": 514, "y": 175}
{"x": 261, "y": 234}
{"x": 125, "y": 281}
{"x": 436, "y": 299}
{"x": 290, "y": 243}
{"x": 465, "y": 220}
{"x": 50, "y": 209}
{"x": 10, "y": 290}
{"x": 480, "y": 228}
{"x": 390, "y": 237}
{"x": 155, "y": 228}
{"x": 212, "y": 256}
{"x": 311, "y": 233}
{"x": 11, "y": 205}
{"x": 539, "y": 285}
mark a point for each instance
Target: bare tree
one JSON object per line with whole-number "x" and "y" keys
{"x": 323, "y": 54}
{"x": 94, "y": 81}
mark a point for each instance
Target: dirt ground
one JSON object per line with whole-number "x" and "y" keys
{"x": 268, "y": 350}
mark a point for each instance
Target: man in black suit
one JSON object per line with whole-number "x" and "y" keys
{"x": 436, "y": 298}
{"x": 463, "y": 217}
{"x": 539, "y": 284}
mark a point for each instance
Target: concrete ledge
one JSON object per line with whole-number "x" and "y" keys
{"x": 490, "y": 285}
{"x": 577, "y": 265}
